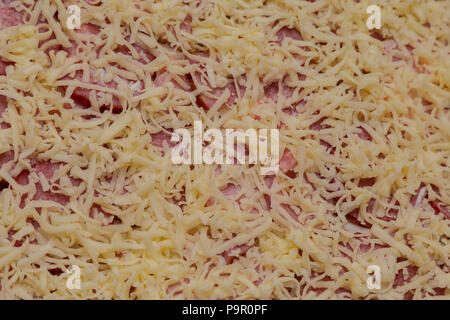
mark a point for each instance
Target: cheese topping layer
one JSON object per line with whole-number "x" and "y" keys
{"x": 86, "y": 177}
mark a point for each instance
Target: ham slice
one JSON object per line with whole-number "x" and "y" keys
{"x": 364, "y": 135}
{"x": 286, "y": 32}
{"x": 405, "y": 275}
{"x": 287, "y": 161}
{"x": 366, "y": 182}
{"x": 318, "y": 125}
{"x": 208, "y": 100}
{"x": 6, "y": 157}
{"x": 95, "y": 2}
{"x": 9, "y": 17}
{"x": 290, "y": 211}
{"x": 3, "y": 104}
{"x": 417, "y": 199}
{"x": 81, "y": 96}
{"x": 164, "y": 77}
{"x": 176, "y": 288}
{"x": 391, "y": 48}
{"x": 143, "y": 55}
{"x": 3, "y": 66}
{"x": 161, "y": 139}
{"x": 390, "y": 45}
{"x": 440, "y": 207}
{"x": 186, "y": 24}
{"x": 230, "y": 190}
{"x": 231, "y": 254}
{"x": 353, "y": 217}
{"x": 273, "y": 92}
{"x": 18, "y": 243}
{"x": 48, "y": 169}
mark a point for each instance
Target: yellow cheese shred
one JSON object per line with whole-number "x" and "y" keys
{"x": 364, "y": 120}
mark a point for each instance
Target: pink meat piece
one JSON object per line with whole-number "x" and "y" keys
{"x": 267, "y": 202}
{"x": 3, "y": 66}
{"x": 362, "y": 246}
{"x": 85, "y": 28}
{"x": 81, "y": 95}
{"x": 366, "y": 182}
{"x": 48, "y": 169}
{"x": 392, "y": 213}
{"x": 206, "y": 101}
{"x": 268, "y": 181}
{"x": 201, "y": 54}
{"x": 389, "y": 45}
{"x": 50, "y": 196}
{"x": 420, "y": 194}
{"x": 258, "y": 282}
{"x": 230, "y": 190}
{"x": 22, "y": 178}
{"x": 371, "y": 205}
{"x": 404, "y": 276}
{"x": 186, "y": 24}
{"x": 48, "y": 47}
{"x": 6, "y": 157}
{"x": 163, "y": 78}
{"x": 286, "y": 32}
{"x": 365, "y": 247}
{"x": 144, "y": 55}
{"x": 353, "y": 218}
{"x": 34, "y": 223}
{"x": 9, "y": 17}
{"x": 230, "y": 254}
{"x": 176, "y": 288}
{"x": 328, "y": 147}
{"x": 290, "y": 211}
{"x": 364, "y": 135}
{"x": 210, "y": 202}
{"x": 287, "y": 161}
{"x": 271, "y": 91}
{"x": 94, "y": 2}
{"x": 161, "y": 138}
{"x": 317, "y": 126}
{"x": 3, "y": 104}
{"x": 88, "y": 28}
{"x": 18, "y": 243}
{"x": 440, "y": 207}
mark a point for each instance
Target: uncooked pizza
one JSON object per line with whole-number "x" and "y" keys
{"x": 92, "y": 205}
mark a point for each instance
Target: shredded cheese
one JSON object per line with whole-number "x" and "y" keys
{"x": 86, "y": 177}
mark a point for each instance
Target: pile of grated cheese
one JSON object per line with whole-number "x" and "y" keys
{"x": 86, "y": 176}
